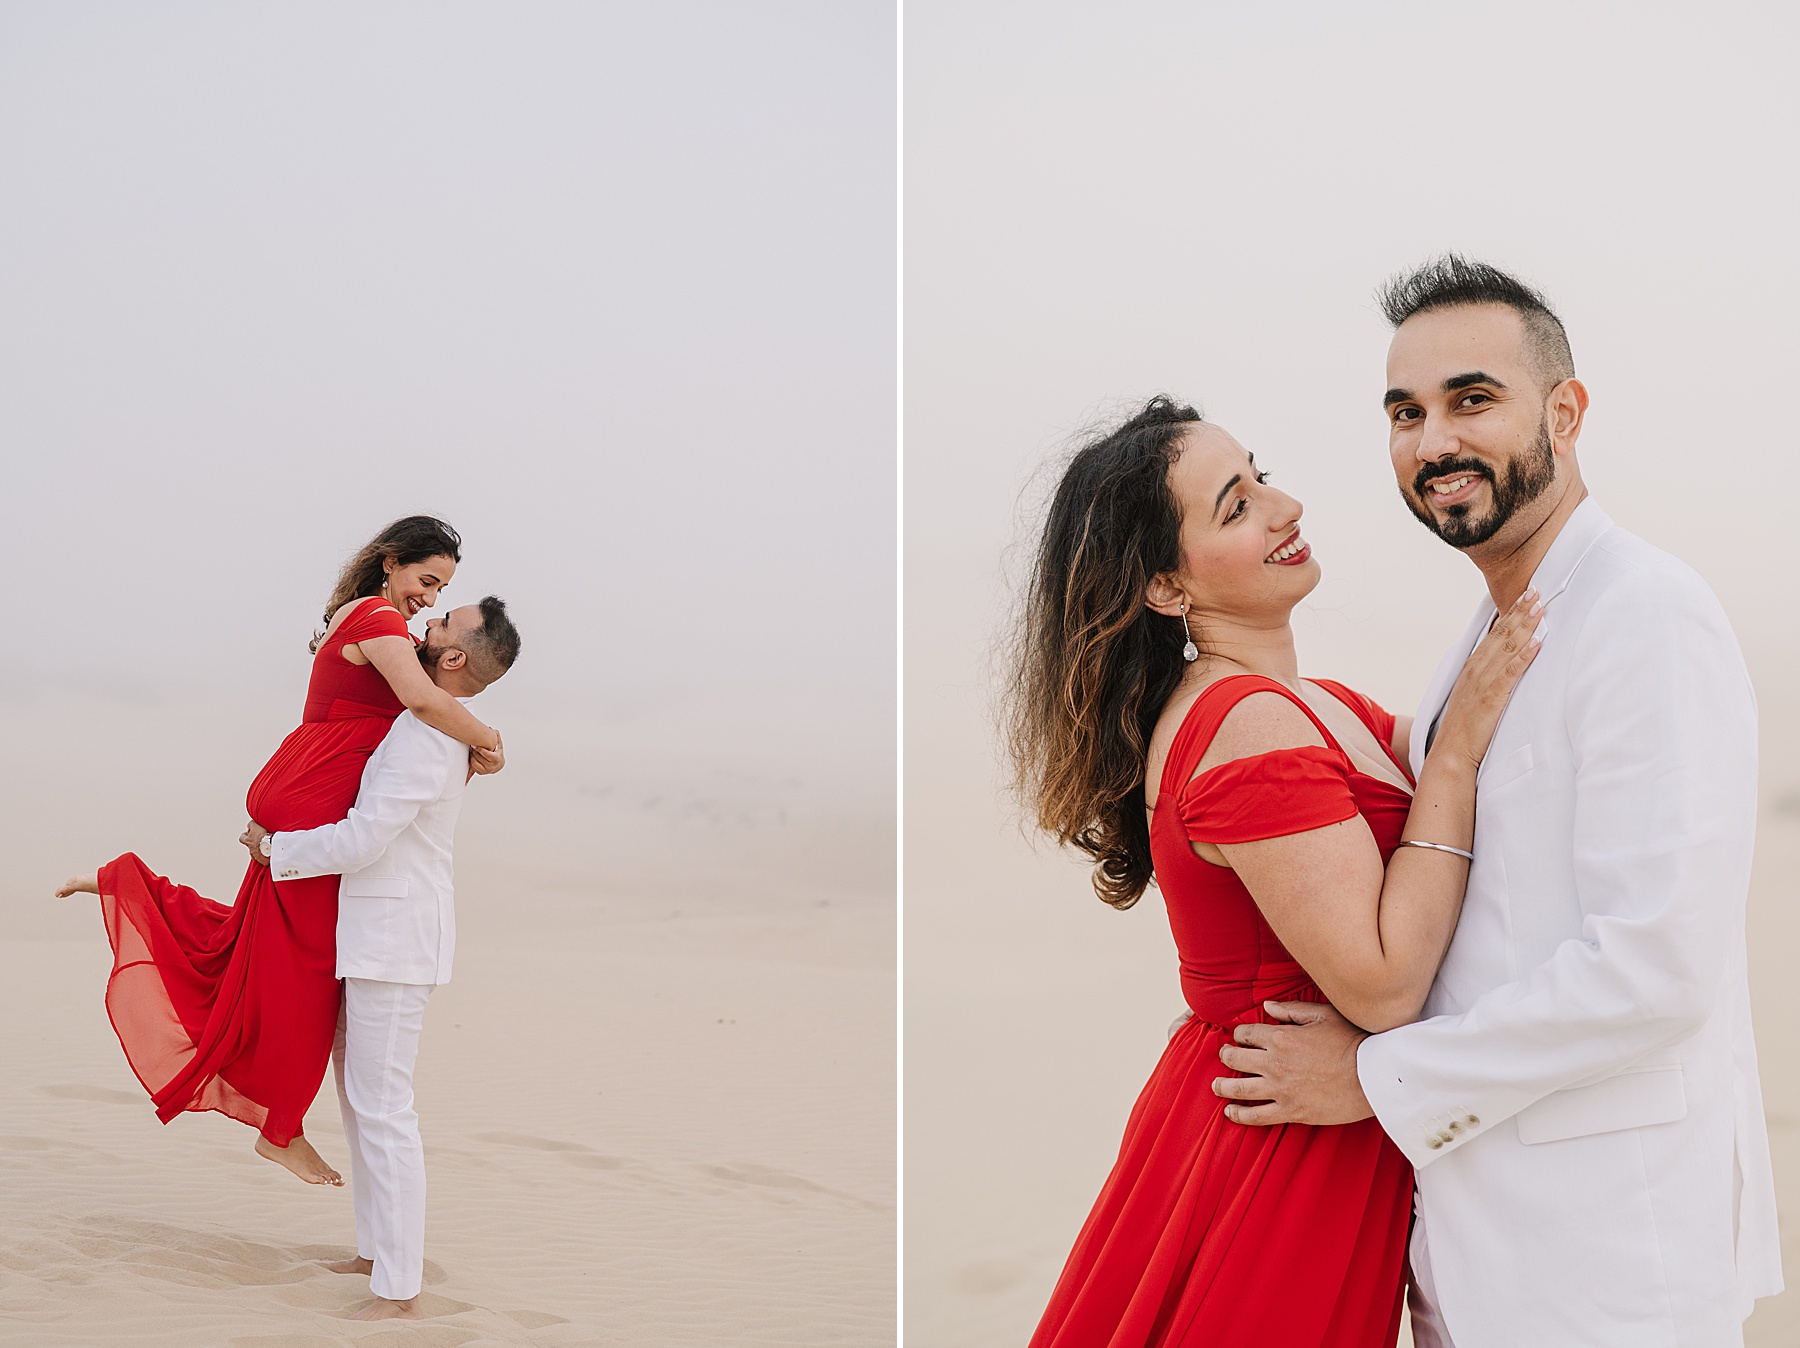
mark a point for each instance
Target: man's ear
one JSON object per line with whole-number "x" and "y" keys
{"x": 1568, "y": 405}
{"x": 453, "y": 659}
{"x": 1164, "y": 596}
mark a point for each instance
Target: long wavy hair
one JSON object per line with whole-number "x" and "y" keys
{"x": 408, "y": 540}
{"x": 1092, "y": 666}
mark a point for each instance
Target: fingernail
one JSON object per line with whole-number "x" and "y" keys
{"x": 1537, "y": 608}
{"x": 1537, "y": 637}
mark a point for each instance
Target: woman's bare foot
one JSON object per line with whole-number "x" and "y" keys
{"x": 79, "y": 884}
{"x": 299, "y": 1157}
{"x": 383, "y": 1309}
{"x": 356, "y": 1265}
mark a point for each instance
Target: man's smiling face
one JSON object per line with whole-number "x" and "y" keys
{"x": 1466, "y": 424}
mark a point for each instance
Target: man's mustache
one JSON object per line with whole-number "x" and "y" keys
{"x": 1450, "y": 468}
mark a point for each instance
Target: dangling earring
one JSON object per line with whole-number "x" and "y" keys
{"x": 1189, "y": 652}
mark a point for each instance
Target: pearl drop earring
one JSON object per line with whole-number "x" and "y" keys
{"x": 1189, "y": 652}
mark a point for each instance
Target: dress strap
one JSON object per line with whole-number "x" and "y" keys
{"x": 368, "y": 619}
{"x": 1209, "y": 711}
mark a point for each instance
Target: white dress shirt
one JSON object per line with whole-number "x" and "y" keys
{"x": 396, "y": 913}
{"x": 1581, "y": 1097}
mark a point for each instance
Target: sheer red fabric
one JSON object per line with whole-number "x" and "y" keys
{"x": 232, "y": 1007}
{"x": 1209, "y": 1232}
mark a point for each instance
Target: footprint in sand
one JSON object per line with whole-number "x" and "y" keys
{"x": 575, "y": 1153}
{"x": 767, "y": 1177}
{"x": 535, "y": 1319}
{"x": 100, "y": 1094}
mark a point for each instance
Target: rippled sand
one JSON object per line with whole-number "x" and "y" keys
{"x": 657, "y": 1099}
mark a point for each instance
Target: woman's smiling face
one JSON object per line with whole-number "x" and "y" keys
{"x": 417, "y": 585}
{"x": 1241, "y": 550}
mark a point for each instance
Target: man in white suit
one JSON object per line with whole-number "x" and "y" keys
{"x": 396, "y": 933}
{"x": 1580, "y": 1098}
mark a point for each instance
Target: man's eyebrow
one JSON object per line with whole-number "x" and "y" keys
{"x": 1226, "y": 491}
{"x": 1396, "y": 395}
{"x": 1460, "y": 381}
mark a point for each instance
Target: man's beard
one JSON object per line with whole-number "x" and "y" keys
{"x": 1528, "y": 477}
{"x": 427, "y": 656}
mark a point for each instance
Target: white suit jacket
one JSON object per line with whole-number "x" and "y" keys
{"x": 396, "y": 914}
{"x": 1581, "y": 1098}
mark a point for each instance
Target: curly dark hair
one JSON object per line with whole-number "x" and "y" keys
{"x": 409, "y": 540}
{"x": 1092, "y": 665}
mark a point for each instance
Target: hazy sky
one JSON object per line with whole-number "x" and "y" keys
{"x": 1105, "y": 202}
{"x": 608, "y": 286}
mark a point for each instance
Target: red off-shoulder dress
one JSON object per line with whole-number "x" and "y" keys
{"x": 1208, "y": 1232}
{"x": 232, "y": 1007}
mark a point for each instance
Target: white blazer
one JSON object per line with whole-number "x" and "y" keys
{"x": 396, "y": 913}
{"x": 1581, "y": 1100}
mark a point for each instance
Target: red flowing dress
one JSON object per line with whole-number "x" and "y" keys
{"x": 1211, "y": 1233}
{"x": 232, "y": 1007}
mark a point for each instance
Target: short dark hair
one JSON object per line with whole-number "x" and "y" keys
{"x": 493, "y": 646}
{"x": 1451, "y": 280}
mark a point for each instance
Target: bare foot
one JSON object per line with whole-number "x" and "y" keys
{"x": 356, "y": 1265}
{"x": 299, "y": 1157}
{"x": 383, "y": 1309}
{"x": 79, "y": 884}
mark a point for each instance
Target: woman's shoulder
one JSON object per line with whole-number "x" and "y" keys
{"x": 360, "y": 619}
{"x": 1254, "y": 718}
{"x": 1235, "y": 717}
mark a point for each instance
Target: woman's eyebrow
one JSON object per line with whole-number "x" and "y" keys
{"x": 1226, "y": 491}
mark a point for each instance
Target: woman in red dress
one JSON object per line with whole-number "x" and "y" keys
{"x": 1160, "y": 725}
{"x": 232, "y": 1007}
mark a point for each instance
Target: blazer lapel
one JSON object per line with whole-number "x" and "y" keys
{"x": 1580, "y": 533}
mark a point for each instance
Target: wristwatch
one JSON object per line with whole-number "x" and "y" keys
{"x": 266, "y": 845}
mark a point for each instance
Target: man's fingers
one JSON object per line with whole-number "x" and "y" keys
{"x": 1241, "y": 1088}
{"x": 1260, "y": 1116}
{"x": 1243, "y": 1059}
{"x": 1255, "y": 1035}
{"x": 1295, "y": 1013}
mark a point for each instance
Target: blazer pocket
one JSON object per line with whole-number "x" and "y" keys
{"x": 359, "y": 886}
{"x": 1635, "y": 1098}
{"x": 1515, "y": 765}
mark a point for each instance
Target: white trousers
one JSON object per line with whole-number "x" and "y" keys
{"x": 1428, "y": 1327}
{"x": 377, "y": 1045}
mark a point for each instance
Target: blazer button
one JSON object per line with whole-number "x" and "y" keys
{"x": 1472, "y": 1121}
{"x": 1455, "y": 1126}
{"x": 1434, "y": 1142}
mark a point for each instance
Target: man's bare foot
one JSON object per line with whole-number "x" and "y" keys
{"x": 383, "y": 1309}
{"x": 299, "y": 1157}
{"x": 356, "y": 1265}
{"x": 79, "y": 884}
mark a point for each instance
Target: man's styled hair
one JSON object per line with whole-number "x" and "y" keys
{"x": 1451, "y": 280}
{"x": 494, "y": 645}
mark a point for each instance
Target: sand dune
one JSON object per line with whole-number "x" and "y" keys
{"x": 657, "y": 1099}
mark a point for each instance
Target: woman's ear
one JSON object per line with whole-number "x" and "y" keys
{"x": 1164, "y": 595}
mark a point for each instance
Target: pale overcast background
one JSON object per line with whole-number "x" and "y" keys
{"x": 607, "y": 286}
{"x": 1199, "y": 198}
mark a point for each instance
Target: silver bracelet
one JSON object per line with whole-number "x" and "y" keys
{"x": 1439, "y": 847}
